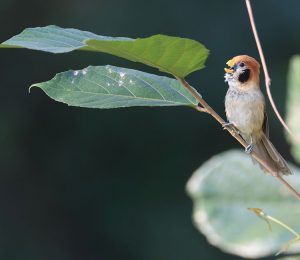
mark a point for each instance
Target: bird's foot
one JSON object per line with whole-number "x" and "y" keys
{"x": 230, "y": 126}
{"x": 227, "y": 125}
{"x": 249, "y": 148}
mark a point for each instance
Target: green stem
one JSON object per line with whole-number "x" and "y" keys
{"x": 283, "y": 225}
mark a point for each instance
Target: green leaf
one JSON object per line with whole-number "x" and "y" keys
{"x": 113, "y": 87}
{"x": 223, "y": 189}
{"x": 178, "y": 56}
{"x": 293, "y": 104}
{"x": 54, "y": 39}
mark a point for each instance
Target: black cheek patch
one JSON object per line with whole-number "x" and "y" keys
{"x": 244, "y": 76}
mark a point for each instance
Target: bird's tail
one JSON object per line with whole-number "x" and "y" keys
{"x": 266, "y": 150}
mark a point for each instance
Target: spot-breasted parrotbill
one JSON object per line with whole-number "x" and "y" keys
{"x": 245, "y": 110}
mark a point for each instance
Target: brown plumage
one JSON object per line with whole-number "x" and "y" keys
{"x": 245, "y": 109}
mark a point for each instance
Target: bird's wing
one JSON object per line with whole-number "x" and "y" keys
{"x": 277, "y": 160}
{"x": 266, "y": 125}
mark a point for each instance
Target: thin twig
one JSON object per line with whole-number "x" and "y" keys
{"x": 266, "y": 73}
{"x": 213, "y": 113}
{"x": 288, "y": 186}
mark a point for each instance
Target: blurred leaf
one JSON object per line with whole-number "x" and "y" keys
{"x": 112, "y": 87}
{"x": 293, "y": 104}
{"x": 177, "y": 56}
{"x": 224, "y": 187}
{"x": 288, "y": 245}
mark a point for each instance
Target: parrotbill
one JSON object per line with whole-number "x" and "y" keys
{"x": 245, "y": 111}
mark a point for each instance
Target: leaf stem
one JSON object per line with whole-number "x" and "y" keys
{"x": 283, "y": 225}
{"x": 208, "y": 109}
{"x": 266, "y": 73}
{"x": 260, "y": 213}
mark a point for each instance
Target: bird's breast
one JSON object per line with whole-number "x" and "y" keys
{"x": 245, "y": 109}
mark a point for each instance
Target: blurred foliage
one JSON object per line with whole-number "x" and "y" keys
{"x": 91, "y": 184}
{"x": 287, "y": 246}
{"x": 293, "y": 104}
{"x": 224, "y": 187}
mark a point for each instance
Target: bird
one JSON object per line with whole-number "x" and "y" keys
{"x": 246, "y": 112}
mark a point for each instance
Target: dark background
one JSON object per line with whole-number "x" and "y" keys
{"x": 110, "y": 184}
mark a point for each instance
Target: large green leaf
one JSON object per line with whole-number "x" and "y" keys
{"x": 293, "y": 104}
{"x": 224, "y": 187}
{"x": 112, "y": 87}
{"x": 54, "y": 39}
{"x": 174, "y": 55}
{"x": 178, "y": 56}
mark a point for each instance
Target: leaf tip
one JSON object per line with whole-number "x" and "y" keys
{"x": 257, "y": 211}
{"x": 32, "y": 86}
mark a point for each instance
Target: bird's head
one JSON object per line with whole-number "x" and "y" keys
{"x": 242, "y": 72}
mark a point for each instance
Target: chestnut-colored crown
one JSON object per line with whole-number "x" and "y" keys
{"x": 251, "y": 63}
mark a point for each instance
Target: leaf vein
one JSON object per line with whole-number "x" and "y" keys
{"x": 118, "y": 95}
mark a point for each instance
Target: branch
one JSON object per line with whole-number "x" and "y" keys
{"x": 266, "y": 73}
{"x": 201, "y": 109}
{"x": 208, "y": 109}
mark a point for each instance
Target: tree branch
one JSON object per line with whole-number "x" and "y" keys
{"x": 266, "y": 73}
{"x": 201, "y": 109}
{"x": 208, "y": 109}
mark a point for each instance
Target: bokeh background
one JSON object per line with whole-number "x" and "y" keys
{"x": 110, "y": 184}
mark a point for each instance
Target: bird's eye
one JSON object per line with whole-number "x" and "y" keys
{"x": 242, "y": 64}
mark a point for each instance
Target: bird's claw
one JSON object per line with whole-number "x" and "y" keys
{"x": 230, "y": 126}
{"x": 249, "y": 148}
{"x": 227, "y": 125}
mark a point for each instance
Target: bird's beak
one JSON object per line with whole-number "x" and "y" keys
{"x": 230, "y": 71}
{"x": 230, "y": 63}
